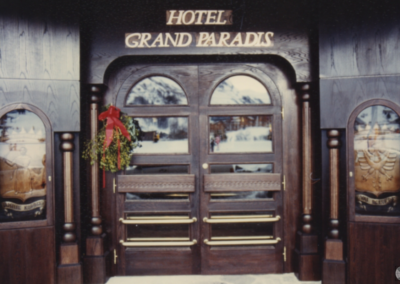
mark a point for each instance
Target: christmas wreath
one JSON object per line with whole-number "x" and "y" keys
{"x": 115, "y": 141}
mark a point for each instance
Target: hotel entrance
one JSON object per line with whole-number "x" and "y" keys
{"x": 204, "y": 191}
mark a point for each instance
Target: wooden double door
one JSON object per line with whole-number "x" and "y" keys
{"x": 204, "y": 191}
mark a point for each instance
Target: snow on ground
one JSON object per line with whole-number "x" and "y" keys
{"x": 163, "y": 146}
{"x": 244, "y": 146}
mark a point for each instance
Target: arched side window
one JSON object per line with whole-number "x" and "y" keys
{"x": 240, "y": 90}
{"x": 376, "y": 161}
{"x": 156, "y": 90}
{"x": 23, "y": 190}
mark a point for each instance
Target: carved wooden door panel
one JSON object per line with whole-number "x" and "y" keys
{"x": 203, "y": 193}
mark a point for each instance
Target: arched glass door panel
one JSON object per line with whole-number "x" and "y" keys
{"x": 238, "y": 90}
{"x": 377, "y": 161}
{"x": 156, "y": 90}
{"x": 22, "y": 166}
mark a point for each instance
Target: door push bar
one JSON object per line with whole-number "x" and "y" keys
{"x": 242, "y": 219}
{"x": 158, "y": 220}
{"x": 242, "y": 242}
{"x": 158, "y": 244}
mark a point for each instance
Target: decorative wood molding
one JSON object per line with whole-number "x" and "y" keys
{"x": 67, "y": 146}
{"x": 304, "y": 92}
{"x": 242, "y": 182}
{"x": 333, "y": 145}
{"x": 95, "y": 98}
{"x": 156, "y": 183}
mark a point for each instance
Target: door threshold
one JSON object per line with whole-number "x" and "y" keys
{"x": 287, "y": 278}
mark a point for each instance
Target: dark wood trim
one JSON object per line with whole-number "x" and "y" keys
{"x": 334, "y": 182}
{"x": 156, "y": 183}
{"x": 307, "y": 257}
{"x": 242, "y": 182}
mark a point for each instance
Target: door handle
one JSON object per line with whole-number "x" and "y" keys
{"x": 149, "y": 220}
{"x": 158, "y": 244}
{"x": 242, "y": 219}
{"x": 242, "y": 242}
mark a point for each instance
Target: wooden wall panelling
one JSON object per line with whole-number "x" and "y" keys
{"x": 374, "y": 253}
{"x": 40, "y": 41}
{"x": 339, "y": 97}
{"x": 358, "y": 39}
{"x": 59, "y": 100}
{"x": 27, "y": 256}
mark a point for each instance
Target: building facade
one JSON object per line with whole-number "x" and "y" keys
{"x": 268, "y": 139}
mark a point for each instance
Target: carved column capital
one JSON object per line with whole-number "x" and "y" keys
{"x": 303, "y": 90}
{"x": 96, "y": 92}
{"x": 333, "y": 141}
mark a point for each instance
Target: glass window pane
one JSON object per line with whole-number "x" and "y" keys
{"x": 157, "y": 170}
{"x": 376, "y": 153}
{"x": 161, "y": 135}
{"x": 240, "y": 134}
{"x": 238, "y": 90}
{"x": 241, "y": 168}
{"x": 22, "y": 167}
{"x": 244, "y": 195}
{"x": 157, "y": 196}
{"x": 157, "y": 232}
{"x": 156, "y": 90}
{"x": 242, "y": 230}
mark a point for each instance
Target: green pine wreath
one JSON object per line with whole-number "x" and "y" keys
{"x": 94, "y": 149}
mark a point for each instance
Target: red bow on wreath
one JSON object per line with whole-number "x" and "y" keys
{"x": 112, "y": 116}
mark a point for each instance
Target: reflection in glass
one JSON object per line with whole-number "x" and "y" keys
{"x": 157, "y": 170}
{"x": 157, "y": 196}
{"x": 242, "y": 229}
{"x": 157, "y": 232}
{"x": 240, "y": 134}
{"x": 238, "y": 90}
{"x": 163, "y": 135}
{"x": 245, "y": 195}
{"x": 241, "y": 168}
{"x": 22, "y": 166}
{"x": 377, "y": 155}
{"x": 156, "y": 90}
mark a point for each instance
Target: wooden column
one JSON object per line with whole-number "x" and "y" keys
{"x": 95, "y": 259}
{"x": 307, "y": 266}
{"x": 334, "y": 267}
{"x": 69, "y": 270}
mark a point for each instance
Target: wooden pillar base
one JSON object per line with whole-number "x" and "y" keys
{"x": 333, "y": 272}
{"x": 69, "y": 274}
{"x": 307, "y": 258}
{"x": 70, "y": 270}
{"x": 333, "y": 268}
{"x": 94, "y": 263}
{"x": 94, "y": 268}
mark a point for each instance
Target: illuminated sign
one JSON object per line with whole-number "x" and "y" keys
{"x": 202, "y": 39}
